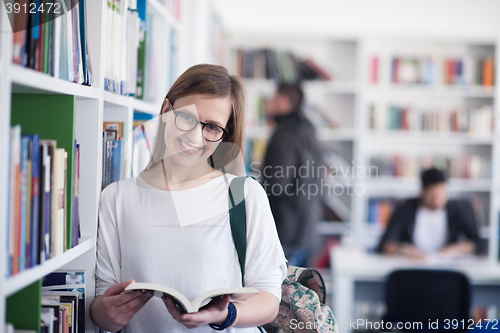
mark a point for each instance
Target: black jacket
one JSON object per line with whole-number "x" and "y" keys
{"x": 293, "y": 148}
{"x": 460, "y": 216}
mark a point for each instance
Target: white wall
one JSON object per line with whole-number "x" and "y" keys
{"x": 421, "y": 18}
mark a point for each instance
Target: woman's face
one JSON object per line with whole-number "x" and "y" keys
{"x": 191, "y": 148}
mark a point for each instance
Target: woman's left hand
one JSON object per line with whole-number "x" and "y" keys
{"x": 214, "y": 312}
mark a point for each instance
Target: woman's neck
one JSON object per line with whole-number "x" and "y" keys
{"x": 168, "y": 175}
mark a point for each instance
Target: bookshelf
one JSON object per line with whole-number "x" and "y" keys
{"x": 397, "y": 82}
{"x": 349, "y": 96}
{"x": 338, "y": 98}
{"x": 82, "y": 117}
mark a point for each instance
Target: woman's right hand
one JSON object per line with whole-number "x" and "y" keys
{"x": 113, "y": 310}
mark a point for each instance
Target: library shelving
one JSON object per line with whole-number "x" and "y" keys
{"x": 433, "y": 101}
{"x": 331, "y": 104}
{"x": 52, "y": 107}
{"x": 391, "y": 98}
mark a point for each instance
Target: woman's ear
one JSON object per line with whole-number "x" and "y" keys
{"x": 164, "y": 109}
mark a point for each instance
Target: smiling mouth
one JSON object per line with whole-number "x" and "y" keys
{"x": 189, "y": 147}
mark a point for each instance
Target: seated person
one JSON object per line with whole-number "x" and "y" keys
{"x": 431, "y": 223}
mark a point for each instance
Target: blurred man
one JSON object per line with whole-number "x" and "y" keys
{"x": 289, "y": 178}
{"x": 431, "y": 223}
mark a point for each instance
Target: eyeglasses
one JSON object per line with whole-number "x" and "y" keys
{"x": 187, "y": 122}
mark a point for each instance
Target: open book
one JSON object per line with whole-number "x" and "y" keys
{"x": 186, "y": 306}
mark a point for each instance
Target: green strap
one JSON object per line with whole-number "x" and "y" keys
{"x": 238, "y": 220}
{"x": 238, "y": 223}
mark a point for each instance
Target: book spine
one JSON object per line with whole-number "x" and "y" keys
{"x": 83, "y": 38}
{"x": 54, "y": 202}
{"x": 141, "y": 52}
{"x": 23, "y": 208}
{"x": 27, "y": 239}
{"x": 47, "y": 234}
{"x": 76, "y": 222}
{"x": 116, "y": 160}
{"x": 14, "y": 203}
{"x": 64, "y": 181}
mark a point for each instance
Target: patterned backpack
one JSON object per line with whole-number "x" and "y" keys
{"x": 302, "y": 307}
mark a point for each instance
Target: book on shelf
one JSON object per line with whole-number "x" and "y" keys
{"x": 463, "y": 71}
{"x": 277, "y": 65}
{"x": 141, "y": 51}
{"x": 476, "y": 121}
{"x": 54, "y": 44}
{"x": 115, "y": 159}
{"x": 380, "y": 211}
{"x": 112, "y": 161}
{"x": 75, "y": 233}
{"x": 187, "y": 306}
{"x": 255, "y": 153}
{"x": 70, "y": 287}
{"x": 115, "y": 25}
{"x": 465, "y": 166}
{"x": 143, "y": 138}
{"x": 37, "y": 219}
{"x": 173, "y": 51}
{"x": 374, "y": 69}
{"x": 132, "y": 45}
{"x": 51, "y": 315}
{"x": 66, "y": 303}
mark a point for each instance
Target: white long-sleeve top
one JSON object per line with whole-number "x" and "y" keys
{"x": 182, "y": 239}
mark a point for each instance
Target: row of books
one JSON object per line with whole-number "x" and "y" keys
{"x": 50, "y": 40}
{"x": 278, "y": 65}
{"x": 38, "y": 227}
{"x": 255, "y": 152}
{"x": 63, "y": 302}
{"x": 458, "y": 71}
{"x": 113, "y": 153}
{"x": 477, "y": 121}
{"x": 315, "y": 113}
{"x": 466, "y": 166}
{"x": 257, "y": 117}
{"x": 132, "y": 55}
{"x": 117, "y": 18}
{"x": 380, "y": 211}
{"x": 143, "y": 134}
{"x": 116, "y": 162}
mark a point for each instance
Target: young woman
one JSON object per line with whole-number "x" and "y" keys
{"x": 170, "y": 224}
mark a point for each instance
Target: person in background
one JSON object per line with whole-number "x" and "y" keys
{"x": 288, "y": 176}
{"x": 431, "y": 223}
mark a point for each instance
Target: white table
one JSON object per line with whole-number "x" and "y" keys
{"x": 350, "y": 264}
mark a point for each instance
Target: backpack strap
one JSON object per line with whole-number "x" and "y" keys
{"x": 238, "y": 220}
{"x": 238, "y": 223}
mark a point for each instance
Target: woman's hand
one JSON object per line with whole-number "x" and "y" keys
{"x": 113, "y": 310}
{"x": 457, "y": 249}
{"x": 214, "y": 312}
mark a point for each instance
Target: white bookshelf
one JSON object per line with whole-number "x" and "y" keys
{"x": 416, "y": 143}
{"x": 340, "y": 97}
{"x": 350, "y": 95}
{"x": 93, "y": 105}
